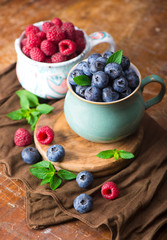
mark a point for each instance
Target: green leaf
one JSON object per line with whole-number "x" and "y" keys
{"x": 46, "y": 180}
{"x": 115, "y": 57}
{"x": 44, "y": 164}
{"x": 55, "y": 182}
{"x": 39, "y": 172}
{"x": 106, "y": 154}
{"x": 125, "y": 155}
{"x": 66, "y": 175}
{"x": 116, "y": 155}
{"x": 44, "y": 108}
{"x": 32, "y": 120}
{"x": 17, "y": 115}
{"x": 82, "y": 80}
{"x": 51, "y": 168}
{"x": 27, "y": 99}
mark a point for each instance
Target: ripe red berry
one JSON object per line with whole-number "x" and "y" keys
{"x": 67, "y": 47}
{"x": 110, "y": 190}
{"x": 48, "y": 60}
{"x": 41, "y": 35}
{"x": 22, "y": 137}
{"x": 58, "y": 57}
{"x": 55, "y": 34}
{"x": 37, "y": 55}
{"x": 26, "y": 51}
{"x": 48, "y": 47}
{"x": 69, "y": 30}
{"x": 31, "y": 29}
{"x": 57, "y": 22}
{"x": 80, "y": 45}
{"x": 45, "y": 135}
{"x": 78, "y": 34}
{"x": 46, "y": 26}
{"x": 33, "y": 41}
{"x": 23, "y": 42}
{"x": 73, "y": 55}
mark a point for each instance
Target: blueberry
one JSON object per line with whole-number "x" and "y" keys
{"x": 93, "y": 57}
{"x": 80, "y": 90}
{"x": 133, "y": 80}
{"x": 97, "y": 65}
{"x": 126, "y": 93}
{"x": 31, "y": 155}
{"x": 107, "y": 54}
{"x": 100, "y": 79}
{"x": 125, "y": 63}
{"x": 120, "y": 84}
{"x": 74, "y": 73}
{"x": 114, "y": 70}
{"x": 93, "y": 94}
{"x": 84, "y": 67}
{"x": 83, "y": 203}
{"x": 109, "y": 95}
{"x": 84, "y": 179}
{"x": 128, "y": 71}
{"x": 55, "y": 153}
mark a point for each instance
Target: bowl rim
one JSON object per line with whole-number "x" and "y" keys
{"x": 43, "y": 64}
{"x": 105, "y": 103}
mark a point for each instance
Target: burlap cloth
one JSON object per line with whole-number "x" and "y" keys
{"x": 138, "y": 213}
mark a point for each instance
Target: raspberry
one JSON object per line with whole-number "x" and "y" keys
{"x": 37, "y": 55}
{"x": 23, "y": 42}
{"x": 48, "y": 47}
{"x": 33, "y": 41}
{"x": 73, "y": 55}
{"x": 41, "y": 35}
{"x": 67, "y": 47}
{"x": 58, "y": 57}
{"x": 55, "y": 34}
{"x": 48, "y": 60}
{"x": 110, "y": 190}
{"x": 80, "y": 45}
{"x": 45, "y": 135}
{"x": 31, "y": 29}
{"x": 69, "y": 30}
{"x": 22, "y": 137}
{"x": 46, "y": 26}
{"x": 57, "y": 22}
{"x": 78, "y": 34}
{"x": 26, "y": 51}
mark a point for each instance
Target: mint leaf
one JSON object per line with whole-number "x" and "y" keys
{"x": 115, "y": 57}
{"x": 116, "y": 155}
{"x": 46, "y": 180}
{"x": 55, "y": 182}
{"x": 32, "y": 120}
{"x": 125, "y": 155}
{"x": 17, "y": 115}
{"x": 66, "y": 175}
{"x": 44, "y": 108}
{"x": 106, "y": 154}
{"x": 27, "y": 99}
{"x": 51, "y": 168}
{"x": 82, "y": 80}
{"x": 39, "y": 172}
{"x": 44, "y": 164}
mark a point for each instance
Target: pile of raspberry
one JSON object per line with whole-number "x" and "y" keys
{"x": 56, "y": 42}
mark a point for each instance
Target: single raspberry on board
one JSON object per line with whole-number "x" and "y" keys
{"x": 57, "y": 22}
{"x": 46, "y": 26}
{"x": 41, "y": 35}
{"x": 67, "y": 47}
{"x": 26, "y": 51}
{"x": 45, "y": 135}
{"x": 58, "y": 57}
{"x": 55, "y": 34}
{"x": 22, "y": 137}
{"x": 80, "y": 44}
{"x": 69, "y": 30}
{"x": 110, "y": 190}
{"x": 33, "y": 41}
{"x": 37, "y": 55}
{"x": 31, "y": 29}
{"x": 48, "y": 47}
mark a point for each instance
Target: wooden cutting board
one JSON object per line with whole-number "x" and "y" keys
{"x": 81, "y": 153}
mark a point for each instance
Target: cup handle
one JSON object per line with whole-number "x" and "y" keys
{"x": 102, "y": 37}
{"x": 158, "y": 98}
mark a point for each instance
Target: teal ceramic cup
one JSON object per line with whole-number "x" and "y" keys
{"x": 108, "y": 122}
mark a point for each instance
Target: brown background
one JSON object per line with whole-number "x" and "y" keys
{"x": 138, "y": 27}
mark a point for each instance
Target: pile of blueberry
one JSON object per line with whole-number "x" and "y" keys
{"x": 108, "y": 81}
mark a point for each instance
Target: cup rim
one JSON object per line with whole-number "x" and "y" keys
{"x": 104, "y": 103}
{"x": 43, "y": 64}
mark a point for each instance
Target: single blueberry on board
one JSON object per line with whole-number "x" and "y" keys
{"x": 80, "y": 90}
{"x": 109, "y": 95}
{"x": 93, "y": 94}
{"x": 100, "y": 79}
{"x": 74, "y": 73}
{"x": 55, "y": 153}
{"x": 84, "y": 179}
{"x": 83, "y": 203}
{"x": 125, "y": 63}
{"x": 114, "y": 70}
{"x": 120, "y": 84}
{"x": 31, "y": 155}
{"x": 133, "y": 80}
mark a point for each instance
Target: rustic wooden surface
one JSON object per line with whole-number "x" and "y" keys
{"x": 138, "y": 27}
{"x": 77, "y": 157}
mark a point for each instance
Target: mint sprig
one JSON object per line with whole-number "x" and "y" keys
{"x": 116, "y": 57}
{"x": 116, "y": 154}
{"x": 82, "y": 80}
{"x": 45, "y": 171}
{"x": 30, "y": 109}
